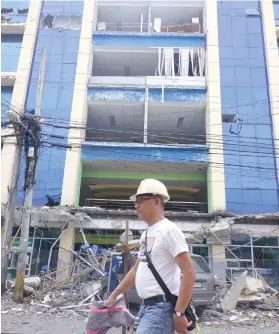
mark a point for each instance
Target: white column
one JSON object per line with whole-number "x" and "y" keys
{"x": 272, "y": 63}
{"x": 9, "y": 150}
{"x": 215, "y": 176}
{"x": 72, "y": 171}
{"x": 65, "y": 256}
{"x": 146, "y": 104}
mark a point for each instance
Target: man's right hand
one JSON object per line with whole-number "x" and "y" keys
{"x": 110, "y": 302}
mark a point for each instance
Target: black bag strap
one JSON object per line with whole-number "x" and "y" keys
{"x": 155, "y": 273}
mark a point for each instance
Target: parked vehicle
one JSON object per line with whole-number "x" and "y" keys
{"x": 204, "y": 290}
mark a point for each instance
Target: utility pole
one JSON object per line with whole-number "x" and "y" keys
{"x": 10, "y": 215}
{"x": 31, "y": 150}
{"x": 125, "y": 266}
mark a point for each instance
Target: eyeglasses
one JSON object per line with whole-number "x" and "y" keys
{"x": 141, "y": 200}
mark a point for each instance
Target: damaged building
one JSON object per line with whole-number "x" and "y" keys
{"x": 184, "y": 92}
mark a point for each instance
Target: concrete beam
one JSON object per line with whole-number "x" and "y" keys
{"x": 215, "y": 176}
{"x": 8, "y": 79}
{"x": 149, "y": 82}
{"x": 13, "y": 28}
{"x": 272, "y": 63}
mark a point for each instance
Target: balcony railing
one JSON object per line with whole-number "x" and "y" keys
{"x": 115, "y": 204}
{"x": 118, "y": 26}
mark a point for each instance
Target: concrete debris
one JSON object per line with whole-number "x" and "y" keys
{"x": 233, "y": 318}
{"x": 33, "y": 282}
{"x": 28, "y": 290}
{"x": 270, "y": 304}
{"x": 209, "y": 315}
{"x": 230, "y": 300}
{"x": 250, "y": 292}
{"x": 9, "y": 284}
{"x": 17, "y": 309}
{"x": 48, "y": 298}
{"x": 252, "y": 298}
{"x": 253, "y": 286}
{"x": 247, "y": 317}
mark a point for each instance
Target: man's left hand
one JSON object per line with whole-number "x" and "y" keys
{"x": 181, "y": 324}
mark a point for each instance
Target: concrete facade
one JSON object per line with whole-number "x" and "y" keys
{"x": 194, "y": 105}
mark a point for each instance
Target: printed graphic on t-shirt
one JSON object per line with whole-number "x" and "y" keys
{"x": 150, "y": 243}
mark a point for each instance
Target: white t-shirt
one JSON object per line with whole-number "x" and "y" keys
{"x": 164, "y": 242}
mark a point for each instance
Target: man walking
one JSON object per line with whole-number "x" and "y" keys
{"x": 166, "y": 246}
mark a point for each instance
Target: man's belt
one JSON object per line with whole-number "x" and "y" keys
{"x": 154, "y": 300}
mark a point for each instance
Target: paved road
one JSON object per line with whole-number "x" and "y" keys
{"x": 54, "y": 324}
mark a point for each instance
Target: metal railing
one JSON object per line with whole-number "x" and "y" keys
{"x": 118, "y": 26}
{"x": 116, "y": 204}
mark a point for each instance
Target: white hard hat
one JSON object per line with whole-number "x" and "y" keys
{"x": 151, "y": 186}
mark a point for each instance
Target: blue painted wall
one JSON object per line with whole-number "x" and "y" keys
{"x": 155, "y": 95}
{"x": 148, "y": 154}
{"x": 10, "y": 51}
{"x": 160, "y": 40}
{"x": 250, "y": 172}
{"x": 61, "y": 60}
{"x": 6, "y": 97}
{"x": 16, "y": 15}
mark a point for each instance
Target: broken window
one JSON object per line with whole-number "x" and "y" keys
{"x": 62, "y": 22}
{"x": 48, "y": 21}
{"x": 185, "y": 62}
{"x": 13, "y": 15}
{"x": 228, "y": 118}
{"x": 23, "y": 11}
{"x": 5, "y": 19}
{"x": 7, "y": 10}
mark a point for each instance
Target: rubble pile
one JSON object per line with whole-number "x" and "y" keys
{"x": 241, "y": 317}
{"x": 248, "y": 292}
{"x": 249, "y": 301}
{"x": 61, "y": 301}
{"x": 46, "y": 294}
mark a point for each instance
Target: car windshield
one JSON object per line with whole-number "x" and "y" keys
{"x": 200, "y": 265}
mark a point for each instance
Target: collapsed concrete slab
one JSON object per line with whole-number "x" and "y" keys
{"x": 230, "y": 300}
{"x": 253, "y": 286}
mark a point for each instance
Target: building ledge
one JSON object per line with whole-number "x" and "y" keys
{"x": 8, "y": 79}
{"x": 57, "y": 217}
{"x": 149, "y": 82}
{"x": 136, "y": 33}
{"x": 136, "y": 145}
{"x": 13, "y": 28}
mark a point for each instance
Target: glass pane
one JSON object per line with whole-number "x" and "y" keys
{"x": 202, "y": 251}
{"x": 241, "y": 253}
{"x": 265, "y": 242}
{"x": 266, "y": 258}
{"x": 200, "y": 265}
{"x": 238, "y": 239}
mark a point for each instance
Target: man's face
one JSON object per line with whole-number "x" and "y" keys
{"x": 145, "y": 204}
